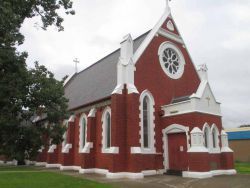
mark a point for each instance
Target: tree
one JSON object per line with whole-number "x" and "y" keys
{"x": 24, "y": 93}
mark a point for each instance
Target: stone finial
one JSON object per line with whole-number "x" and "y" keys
{"x": 126, "y": 49}
{"x": 202, "y": 70}
{"x": 167, "y": 4}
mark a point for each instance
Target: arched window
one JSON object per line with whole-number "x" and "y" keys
{"x": 215, "y": 138}
{"x": 106, "y": 128}
{"x": 206, "y": 133}
{"x": 84, "y": 126}
{"x": 147, "y": 122}
{"x": 83, "y": 132}
{"x": 214, "y": 135}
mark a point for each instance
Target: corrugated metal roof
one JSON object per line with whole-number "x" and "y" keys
{"x": 97, "y": 81}
{"x": 239, "y": 135}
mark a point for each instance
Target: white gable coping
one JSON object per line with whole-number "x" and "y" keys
{"x": 68, "y": 79}
{"x": 151, "y": 35}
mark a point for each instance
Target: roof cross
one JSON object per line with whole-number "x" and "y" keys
{"x": 208, "y": 100}
{"x": 76, "y": 61}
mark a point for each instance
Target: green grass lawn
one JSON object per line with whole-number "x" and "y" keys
{"x": 242, "y": 168}
{"x": 26, "y": 177}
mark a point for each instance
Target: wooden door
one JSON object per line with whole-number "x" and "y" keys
{"x": 177, "y": 150}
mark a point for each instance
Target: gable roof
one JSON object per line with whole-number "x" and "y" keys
{"x": 97, "y": 81}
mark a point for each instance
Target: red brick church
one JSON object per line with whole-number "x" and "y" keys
{"x": 142, "y": 110}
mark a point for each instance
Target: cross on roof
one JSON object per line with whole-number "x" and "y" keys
{"x": 76, "y": 61}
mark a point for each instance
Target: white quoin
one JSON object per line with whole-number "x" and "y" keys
{"x": 126, "y": 67}
{"x": 202, "y": 70}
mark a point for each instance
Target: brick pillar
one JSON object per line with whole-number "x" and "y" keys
{"x": 133, "y": 132}
{"x": 89, "y": 158}
{"x": 118, "y": 132}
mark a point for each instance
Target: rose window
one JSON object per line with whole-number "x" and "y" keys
{"x": 171, "y": 60}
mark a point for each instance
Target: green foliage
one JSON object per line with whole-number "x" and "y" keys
{"x": 14, "y": 12}
{"x": 242, "y": 168}
{"x": 33, "y": 178}
{"x": 25, "y": 93}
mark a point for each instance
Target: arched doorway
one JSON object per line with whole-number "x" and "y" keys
{"x": 175, "y": 140}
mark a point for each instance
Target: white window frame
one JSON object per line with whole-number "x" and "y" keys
{"x": 207, "y": 136}
{"x": 151, "y": 141}
{"x": 215, "y": 149}
{"x": 106, "y": 149}
{"x": 81, "y": 146}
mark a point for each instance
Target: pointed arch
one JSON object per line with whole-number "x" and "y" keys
{"x": 83, "y": 131}
{"x": 215, "y": 139}
{"x": 106, "y": 128}
{"x": 147, "y": 118}
{"x": 207, "y": 135}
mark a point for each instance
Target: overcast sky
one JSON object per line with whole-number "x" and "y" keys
{"x": 216, "y": 32}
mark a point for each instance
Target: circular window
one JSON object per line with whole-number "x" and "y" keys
{"x": 171, "y": 60}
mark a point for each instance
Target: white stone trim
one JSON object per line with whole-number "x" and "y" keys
{"x": 53, "y": 165}
{"x": 202, "y": 101}
{"x": 191, "y": 111}
{"x": 92, "y": 112}
{"x": 197, "y": 141}
{"x": 217, "y": 140}
{"x": 125, "y": 67}
{"x": 64, "y": 168}
{"x": 40, "y": 163}
{"x": 209, "y": 139}
{"x": 120, "y": 175}
{"x": 110, "y": 150}
{"x": 13, "y": 162}
{"x": 1, "y": 162}
{"x": 151, "y": 35}
{"x": 71, "y": 119}
{"x": 66, "y": 148}
{"x": 209, "y": 174}
{"x": 224, "y": 142}
{"x": 52, "y": 148}
{"x": 81, "y": 147}
{"x": 174, "y": 128}
{"x": 87, "y": 147}
{"x": 170, "y": 25}
{"x": 170, "y": 35}
{"x": 151, "y": 149}
{"x": 182, "y": 61}
{"x": 93, "y": 170}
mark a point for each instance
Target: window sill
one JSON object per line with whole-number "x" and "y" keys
{"x": 52, "y": 148}
{"x": 66, "y": 148}
{"x": 139, "y": 150}
{"x": 114, "y": 150}
{"x": 86, "y": 148}
{"x": 214, "y": 150}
